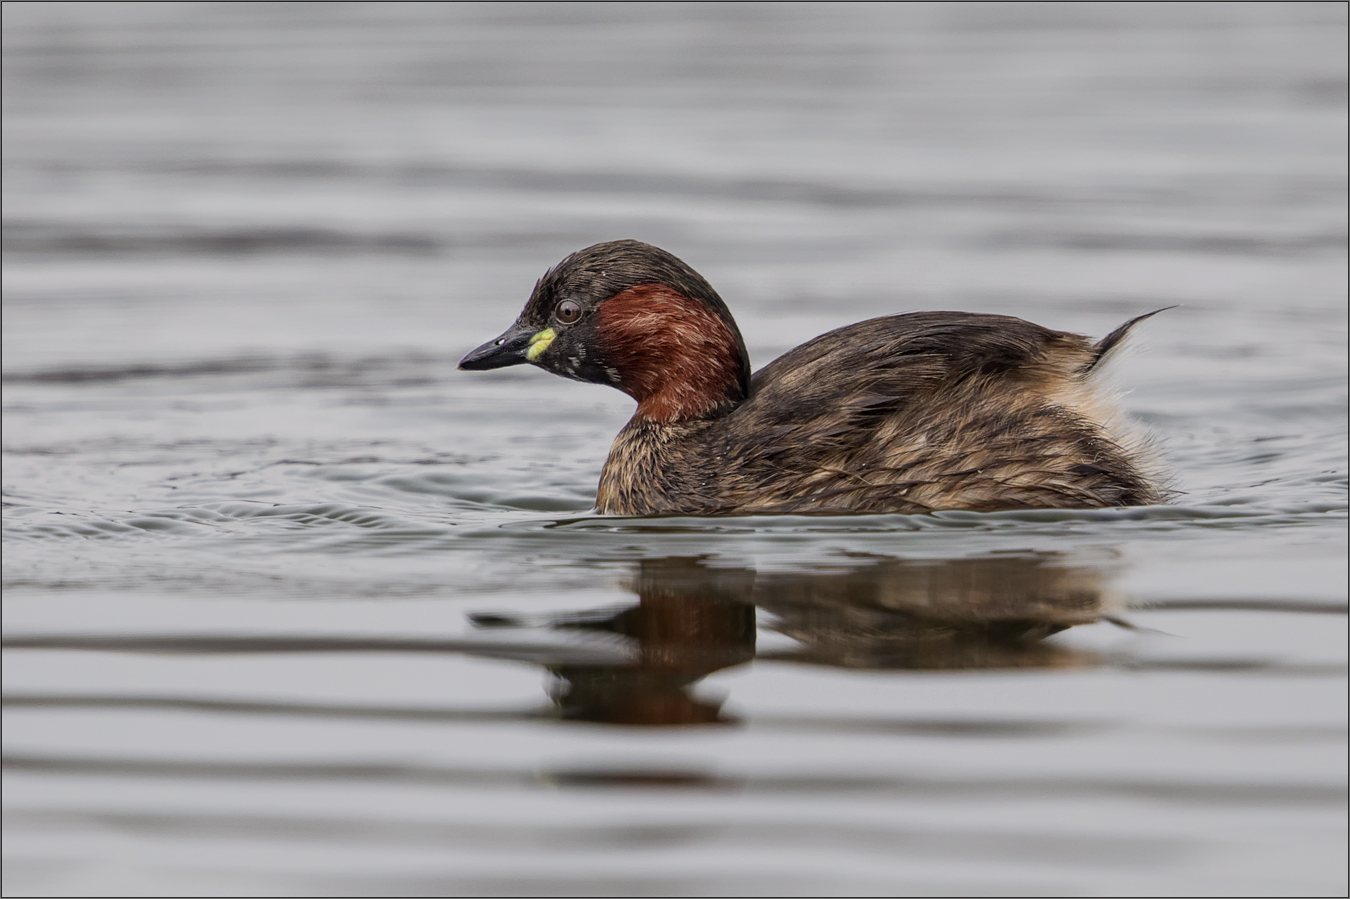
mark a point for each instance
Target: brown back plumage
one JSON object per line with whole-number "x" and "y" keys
{"x": 906, "y": 413}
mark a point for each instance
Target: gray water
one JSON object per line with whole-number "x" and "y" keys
{"x": 294, "y": 607}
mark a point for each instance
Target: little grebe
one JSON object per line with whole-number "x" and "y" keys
{"x": 904, "y": 413}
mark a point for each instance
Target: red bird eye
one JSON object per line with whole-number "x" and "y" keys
{"x": 567, "y": 312}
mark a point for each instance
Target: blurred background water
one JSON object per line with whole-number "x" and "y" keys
{"x": 293, "y": 607}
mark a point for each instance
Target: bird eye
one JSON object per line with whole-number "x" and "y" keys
{"x": 567, "y": 312}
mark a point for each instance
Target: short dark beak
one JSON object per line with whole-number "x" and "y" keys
{"x": 509, "y": 349}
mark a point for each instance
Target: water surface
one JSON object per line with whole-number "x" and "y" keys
{"x": 294, "y": 607}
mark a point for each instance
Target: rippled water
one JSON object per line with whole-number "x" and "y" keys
{"x": 294, "y": 607}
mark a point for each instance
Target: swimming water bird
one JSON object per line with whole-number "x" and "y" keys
{"x": 905, "y": 413}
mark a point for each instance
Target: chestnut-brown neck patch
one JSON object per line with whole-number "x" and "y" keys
{"x": 677, "y": 358}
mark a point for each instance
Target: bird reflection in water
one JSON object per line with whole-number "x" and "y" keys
{"x": 694, "y": 618}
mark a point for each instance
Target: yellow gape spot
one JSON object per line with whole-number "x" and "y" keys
{"x": 539, "y": 343}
